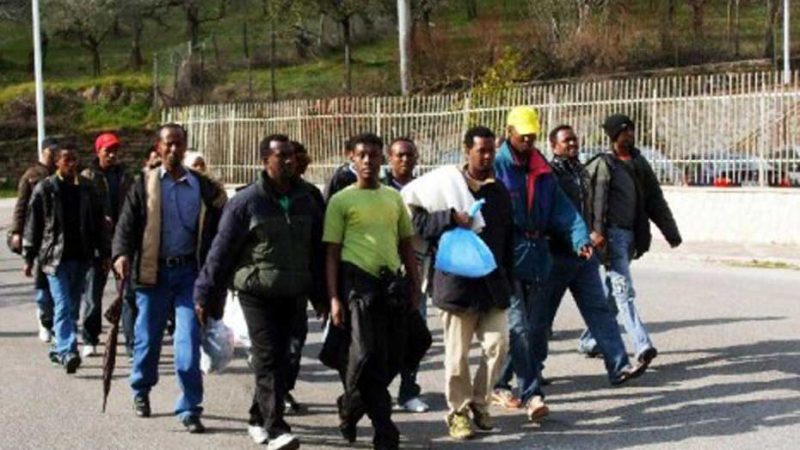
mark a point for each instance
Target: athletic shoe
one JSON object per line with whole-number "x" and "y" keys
{"x": 481, "y": 418}
{"x": 285, "y": 441}
{"x": 459, "y": 427}
{"x": 415, "y": 405}
{"x": 536, "y": 408}
{"x": 258, "y": 434}
{"x": 505, "y": 399}
{"x": 88, "y": 350}
{"x": 647, "y": 356}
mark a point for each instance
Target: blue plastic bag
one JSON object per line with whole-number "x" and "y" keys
{"x": 461, "y": 252}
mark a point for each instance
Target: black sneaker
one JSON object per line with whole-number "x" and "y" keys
{"x": 628, "y": 373}
{"x": 141, "y": 405}
{"x": 54, "y": 358}
{"x": 347, "y": 428}
{"x": 647, "y": 356}
{"x": 71, "y": 362}
{"x": 290, "y": 404}
{"x": 193, "y": 425}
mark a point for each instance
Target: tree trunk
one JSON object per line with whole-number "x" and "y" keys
{"x": 348, "y": 60}
{"x": 472, "y": 9}
{"x": 736, "y": 29}
{"x": 769, "y": 33}
{"x": 245, "y": 46}
{"x": 94, "y": 49}
{"x": 193, "y": 24}
{"x": 272, "y": 50}
{"x": 698, "y": 17}
{"x": 136, "y": 59}
{"x": 667, "y": 28}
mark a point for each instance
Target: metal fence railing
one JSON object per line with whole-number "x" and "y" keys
{"x": 733, "y": 129}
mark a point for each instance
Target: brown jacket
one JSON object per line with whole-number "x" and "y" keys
{"x": 27, "y": 182}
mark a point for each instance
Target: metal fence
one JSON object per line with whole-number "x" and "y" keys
{"x": 733, "y": 129}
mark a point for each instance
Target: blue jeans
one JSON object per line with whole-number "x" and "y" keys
{"x": 66, "y": 287}
{"x": 521, "y": 359}
{"x": 584, "y": 282}
{"x": 174, "y": 289}
{"x": 621, "y": 294}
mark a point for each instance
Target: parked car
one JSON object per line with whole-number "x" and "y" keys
{"x": 726, "y": 168}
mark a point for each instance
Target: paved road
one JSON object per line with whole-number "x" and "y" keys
{"x": 728, "y": 376}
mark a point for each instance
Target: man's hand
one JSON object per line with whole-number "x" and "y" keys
{"x": 28, "y": 270}
{"x": 16, "y": 242}
{"x": 586, "y": 252}
{"x": 202, "y": 314}
{"x": 337, "y": 312}
{"x": 598, "y": 241}
{"x": 675, "y": 243}
{"x": 462, "y": 219}
{"x": 122, "y": 266}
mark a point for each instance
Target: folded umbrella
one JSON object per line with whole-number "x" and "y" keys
{"x": 112, "y": 314}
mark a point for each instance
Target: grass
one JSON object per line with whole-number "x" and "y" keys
{"x": 7, "y": 192}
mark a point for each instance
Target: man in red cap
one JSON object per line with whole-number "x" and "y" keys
{"x": 111, "y": 182}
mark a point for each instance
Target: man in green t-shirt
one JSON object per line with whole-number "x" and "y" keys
{"x": 368, "y": 235}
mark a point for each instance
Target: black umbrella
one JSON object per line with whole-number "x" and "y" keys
{"x": 112, "y": 314}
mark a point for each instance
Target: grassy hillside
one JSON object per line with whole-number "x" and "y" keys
{"x": 452, "y": 52}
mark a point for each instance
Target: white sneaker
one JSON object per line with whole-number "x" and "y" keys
{"x": 286, "y": 441}
{"x": 258, "y": 434}
{"x": 415, "y": 405}
{"x": 88, "y": 350}
{"x": 45, "y": 335}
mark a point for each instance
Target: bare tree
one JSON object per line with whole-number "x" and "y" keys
{"x": 198, "y": 12}
{"x": 89, "y": 22}
{"x": 134, "y": 14}
{"x": 276, "y": 13}
{"x": 342, "y": 12}
{"x": 15, "y": 10}
{"x": 769, "y": 32}
{"x": 698, "y": 16}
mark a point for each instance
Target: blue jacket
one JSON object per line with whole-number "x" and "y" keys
{"x": 551, "y": 213}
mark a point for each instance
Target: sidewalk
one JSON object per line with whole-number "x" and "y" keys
{"x": 751, "y": 254}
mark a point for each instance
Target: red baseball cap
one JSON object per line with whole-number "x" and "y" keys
{"x": 106, "y": 140}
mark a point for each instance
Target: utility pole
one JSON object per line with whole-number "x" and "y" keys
{"x": 787, "y": 71}
{"x": 37, "y": 70}
{"x": 404, "y": 30}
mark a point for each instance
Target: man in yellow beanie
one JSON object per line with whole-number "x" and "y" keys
{"x": 539, "y": 207}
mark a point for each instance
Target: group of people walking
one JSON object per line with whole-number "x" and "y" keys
{"x": 363, "y": 253}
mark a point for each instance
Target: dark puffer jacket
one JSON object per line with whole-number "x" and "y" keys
{"x": 265, "y": 251}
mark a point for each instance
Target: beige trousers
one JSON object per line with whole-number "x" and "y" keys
{"x": 491, "y": 330}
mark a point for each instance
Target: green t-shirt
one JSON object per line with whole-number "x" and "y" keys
{"x": 369, "y": 224}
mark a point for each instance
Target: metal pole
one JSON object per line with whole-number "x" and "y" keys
{"x": 404, "y": 30}
{"x": 787, "y": 71}
{"x": 37, "y": 70}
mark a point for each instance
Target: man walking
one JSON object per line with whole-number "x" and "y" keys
{"x": 269, "y": 245}
{"x": 368, "y": 232}
{"x": 344, "y": 175}
{"x": 64, "y": 232}
{"x": 471, "y": 306}
{"x": 582, "y": 277}
{"x": 540, "y": 210}
{"x": 111, "y": 183}
{"x": 37, "y": 172}
{"x": 403, "y": 157}
{"x": 624, "y": 196}
{"x": 165, "y": 228}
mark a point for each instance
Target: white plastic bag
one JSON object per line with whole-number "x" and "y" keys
{"x": 234, "y": 318}
{"x": 217, "y": 347}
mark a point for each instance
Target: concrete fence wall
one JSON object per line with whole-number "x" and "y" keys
{"x": 737, "y": 215}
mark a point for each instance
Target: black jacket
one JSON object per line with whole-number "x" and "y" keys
{"x": 264, "y": 251}
{"x": 456, "y": 294}
{"x": 137, "y": 233}
{"x": 27, "y": 182}
{"x": 650, "y": 204}
{"x": 96, "y": 175}
{"x": 574, "y": 181}
{"x": 342, "y": 177}
{"x": 44, "y": 234}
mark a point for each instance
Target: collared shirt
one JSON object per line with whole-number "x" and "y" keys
{"x": 180, "y": 211}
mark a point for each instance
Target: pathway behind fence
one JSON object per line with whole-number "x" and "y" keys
{"x": 738, "y": 128}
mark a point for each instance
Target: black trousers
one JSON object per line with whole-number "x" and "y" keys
{"x": 297, "y": 341}
{"x": 369, "y": 370}
{"x": 269, "y": 323}
{"x": 92, "y": 305}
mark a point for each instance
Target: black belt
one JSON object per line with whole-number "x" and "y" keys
{"x": 177, "y": 261}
